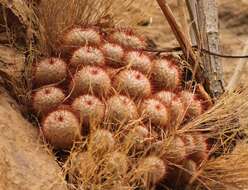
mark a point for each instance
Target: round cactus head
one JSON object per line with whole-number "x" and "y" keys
{"x": 114, "y": 54}
{"x": 171, "y": 100}
{"x": 61, "y": 128}
{"x": 176, "y": 150}
{"x": 47, "y": 98}
{"x": 192, "y": 105}
{"x": 139, "y": 61}
{"x": 165, "y": 96}
{"x": 189, "y": 142}
{"x": 82, "y": 165}
{"x": 120, "y": 109}
{"x": 165, "y": 75}
{"x": 49, "y": 71}
{"x": 152, "y": 170}
{"x": 132, "y": 83}
{"x": 201, "y": 148}
{"x": 101, "y": 142}
{"x": 87, "y": 55}
{"x": 154, "y": 112}
{"x": 191, "y": 168}
{"x": 81, "y": 36}
{"x": 127, "y": 38}
{"x": 90, "y": 80}
{"x": 137, "y": 137}
{"x": 117, "y": 164}
{"x": 90, "y": 109}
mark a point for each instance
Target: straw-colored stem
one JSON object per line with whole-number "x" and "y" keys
{"x": 183, "y": 17}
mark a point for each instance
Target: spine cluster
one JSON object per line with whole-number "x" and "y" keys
{"x": 106, "y": 79}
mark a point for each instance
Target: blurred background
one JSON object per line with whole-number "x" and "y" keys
{"x": 233, "y": 17}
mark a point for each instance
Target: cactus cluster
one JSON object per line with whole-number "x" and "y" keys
{"x": 104, "y": 84}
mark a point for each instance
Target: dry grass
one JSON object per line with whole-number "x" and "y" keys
{"x": 100, "y": 175}
{"x": 229, "y": 171}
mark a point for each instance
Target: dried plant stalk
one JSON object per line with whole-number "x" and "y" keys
{"x": 177, "y": 30}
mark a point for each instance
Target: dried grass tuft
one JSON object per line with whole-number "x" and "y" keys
{"x": 229, "y": 171}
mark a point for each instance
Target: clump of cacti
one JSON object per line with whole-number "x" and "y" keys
{"x": 120, "y": 100}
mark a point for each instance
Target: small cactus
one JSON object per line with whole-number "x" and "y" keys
{"x": 176, "y": 150}
{"x": 117, "y": 164}
{"x": 201, "y": 151}
{"x": 137, "y": 137}
{"x": 61, "y": 128}
{"x": 47, "y": 98}
{"x": 189, "y": 141}
{"x": 121, "y": 109}
{"x": 132, "y": 83}
{"x": 154, "y": 112}
{"x": 90, "y": 109}
{"x": 139, "y": 61}
{"x": 114, "y": 54}
{"x": 81, "y": 36}
{"x": 175, "y": 104}
{"x": 165, "y": 75}
{"x": 126, "y": 104}
{"x": 87, "y": 55}
{"x": 152, "y": 169}
{"x": 127, "y": 39}
{"x": 101, "y": 141}
{"x": 90, "y": 80}
{"x": 82, "y": 166}
{"x": 48, "y": 71}
{"x": 192, "y": 105}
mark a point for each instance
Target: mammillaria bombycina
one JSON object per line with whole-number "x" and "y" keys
{"x": 139, "y": 61}
{"x": 128, "y": 39}
{"x": 120, "y": 109}
{"x": 47, "y": 98}
{"x": 87, "y": 55}
{"x": 132, "y": 83}
{"x": 131, "y": 102}
{"x": 81, "y": 36}
{"x": 114, "y": 54}
{"x": 165, "y": 74}
{"x": 90, "y": 80}
{"x": 90, "y": 109}
{"x": 61, "y": 128}
{"x": 154, "y": 112}
{"x": 152, "y": 169}
{"x": 48, "y": 71}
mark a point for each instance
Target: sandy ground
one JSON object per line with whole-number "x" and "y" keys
{"x": 233, "y": 16}
{"x": 233, "y": 32}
